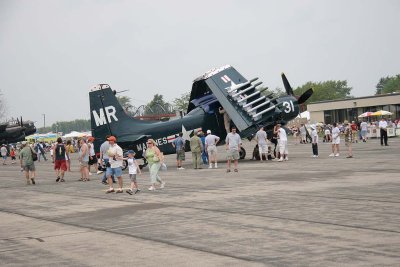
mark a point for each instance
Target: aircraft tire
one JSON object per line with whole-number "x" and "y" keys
{"x": 242, "y": 153}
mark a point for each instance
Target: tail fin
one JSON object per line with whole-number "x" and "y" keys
{"x": 106, "y": 113}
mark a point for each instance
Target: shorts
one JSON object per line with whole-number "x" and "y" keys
{"x": 13, "y": 157}
{"x": 83, "y": 164}
{"x": 180, "y": 154}
{"x": 116, "y": 172}
{"x": 30, "y": 168}
{"x": 232, "y": 155}
{"x": 336, "y": 141}
{"x": 283, "y": 148}
{"x": 60, "y": 164}
{"x": 4, "y": 157}
{"x": 132, "y": 177}
{"x": 93, "y": 160}
{"x": 212, "y": 150}
{"x": 263, "y": 148}
{"x": 363, "y": 133}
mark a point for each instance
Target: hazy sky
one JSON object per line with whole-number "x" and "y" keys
{"x": 52, "y": 51}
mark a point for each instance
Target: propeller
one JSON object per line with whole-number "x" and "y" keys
{"x": 286, "y": 84}
{"x": 303, "y": 98}
{"x": 306, "y": 95}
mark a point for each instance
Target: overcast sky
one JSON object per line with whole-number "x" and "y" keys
{"x": 52, "y": 51}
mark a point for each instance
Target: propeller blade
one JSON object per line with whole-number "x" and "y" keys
{"x": 306, "y": 95}
{"x": 286, "y": 84}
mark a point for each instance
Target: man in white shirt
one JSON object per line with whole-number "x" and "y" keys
{"x": 233, "y": 143}
{"x": 335, "y": 141}
{"x": 115, "y": 159}
{"x": 314, "y": 136}
{"x": 211, "y": 148}
{"x": 383, "y": 127}
{"x": 261, "y": 138}
{"x": 364, "y": 130}
{"x": 282, "y": 142}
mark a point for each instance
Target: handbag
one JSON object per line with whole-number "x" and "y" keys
{"x": 163, "y": 167}
{"x": 34, "y": 155}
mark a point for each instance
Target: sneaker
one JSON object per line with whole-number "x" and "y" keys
{"x": 349, "y": 157}
{"x": 210, "y": 167}
{"x": 33, "y": 180}
{"x": 331, "y": 155}
{"x": 235, "y": 170}
{"x": 90, "y": 173}
{"x": 58, "y": 179}
{"x": 99, "y": 172}
{"x": 337, "y": 155}
{"x": 228, "y": 170}
{"x": 314, "y": 156}
{"x": 162, "y": 185}
{"x": 287, "y": 158}
{"x": 111, "y": 190}
{"x": 119, "y": 191}
{"x": 129, "y": 191}
{"x": 137, "y": 191}
{"x": 104, "y": 182}
{"x": 62, "y": 180}
{"x": 151, "y": 188}
{"x": 280, "y": 160}
{"x": 181, "y": 168}
{"x": 216, "y": 166}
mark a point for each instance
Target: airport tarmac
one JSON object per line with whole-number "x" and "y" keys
{"x": 304, "y": 212}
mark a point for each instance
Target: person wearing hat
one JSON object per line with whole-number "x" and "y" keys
{"x": 133, "y": 170}
{"x": 282, "y": 143}
{"x": 196, "y": 147}
{"x": 211, "y": 148}
{"x": 314, "y": 142}
{"x": 383, "y": 130}
{"x": 27, "y": 163}
{"x": 348, "y": 139}
{"x": 116, "y": 157}
{"x": 104, "y": 158}
{"x": 154, "y": 157}
{"x": 335, "y": 141}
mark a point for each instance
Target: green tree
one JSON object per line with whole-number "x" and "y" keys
{"x": 328, "y": 90}
{"x": 157, "y": 106}
{"x": 182, "y": 102}
{"x": 125, "y": 102}
{"x": 391, "y": 84}
{"x": 381, "y": 85}
{"x": 78, "y": 125}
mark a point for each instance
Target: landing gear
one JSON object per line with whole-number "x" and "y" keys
{"x": 242, "y": 153}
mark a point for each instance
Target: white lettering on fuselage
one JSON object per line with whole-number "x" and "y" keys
{"x": 100, "y": 118}
{"x": 160, "y": 142}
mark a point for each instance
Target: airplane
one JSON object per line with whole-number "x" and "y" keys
{"x": 220, "y": 87}
{"x": 15, "y": 131}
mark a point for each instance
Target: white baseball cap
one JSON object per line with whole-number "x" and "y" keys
{"x": 208, "y": 131}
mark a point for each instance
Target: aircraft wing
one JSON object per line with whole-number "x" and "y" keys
{"x": 238, "y": 96}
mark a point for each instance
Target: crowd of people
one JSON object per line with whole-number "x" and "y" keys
{"x": 203, "y": 148}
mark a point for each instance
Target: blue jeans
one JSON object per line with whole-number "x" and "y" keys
{"x": 105, "y": 173}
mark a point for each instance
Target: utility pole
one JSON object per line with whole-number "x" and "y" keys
{"x": 44, "y": 121}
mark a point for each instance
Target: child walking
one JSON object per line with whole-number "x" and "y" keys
{"x": 133, "y": 170}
